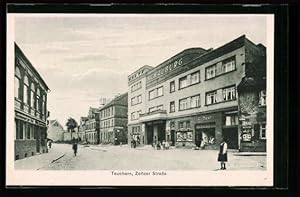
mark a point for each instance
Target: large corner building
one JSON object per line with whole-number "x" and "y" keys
{"x": 192, "y": 98}
{"x": 30, "y": 108}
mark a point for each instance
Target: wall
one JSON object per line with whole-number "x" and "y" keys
{"x": 23, "y": 147}
{"x": 55, "y": 133}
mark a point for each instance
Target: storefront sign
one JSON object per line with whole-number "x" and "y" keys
{"x": 206, "y": 118}
{"x": 184, "y": 136}
{"x": 246, "y": 137}
{"x": 166, "y": 69}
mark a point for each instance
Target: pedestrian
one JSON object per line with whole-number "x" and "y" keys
{"x": 49, "y": 144}
{"x": 75, "y": 146}
{"x": 222, "y": 157}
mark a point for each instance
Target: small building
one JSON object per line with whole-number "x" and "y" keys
{"x": 113, "y": 121}
{"x": 55, "y": 131}
{"x": 30, "y": 108}
{"x": 89, "y": 127}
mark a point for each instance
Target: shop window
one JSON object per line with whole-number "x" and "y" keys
{"x": 228, "y": 65}
{"x": 229, "y": 93}
{"x": 172, "y": 106}
{"x": 172, "y": 86}
{"x": 262, "y": 98}
{"x": 231, "y": 120}
{"x": 211, "y": 71}
{"x": 182, "y": 136}
{"x": 19, "y": 130}
{"x": 211, "y": 97}
{"x": 263, "y": 131}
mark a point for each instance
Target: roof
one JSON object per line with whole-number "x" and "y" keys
{"x": 115, "y": 100}
{"x": 18, "y": 49}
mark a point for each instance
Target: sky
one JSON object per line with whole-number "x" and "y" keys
{"x": 83, "y": 58}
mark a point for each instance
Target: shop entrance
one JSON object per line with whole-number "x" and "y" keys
{"x": 198, "y": 137}
{"x": 205, "y": 133}
{"x": 172, "y": 138}
{"x": 156, "y": 132}
{"x": 231, "y": 136}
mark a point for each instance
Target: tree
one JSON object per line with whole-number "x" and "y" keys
{"x": 71, "y": 125}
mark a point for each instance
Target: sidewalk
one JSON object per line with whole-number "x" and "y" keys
{"x": 40, "y": 160}
{"x": 250, "y": 154}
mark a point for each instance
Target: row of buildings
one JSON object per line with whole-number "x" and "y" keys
{"x": 106, "y": 124}
{"x": 199, "y": 96}
{"x": 30, "y": 106}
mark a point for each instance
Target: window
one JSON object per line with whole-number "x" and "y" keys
{"x": 44, "y": 104}
{"x": 184, "y": 125}
{"x": 17, "y": 83}
{"x": 211, "y": 71}
{"x": 211, "y": 97}
{"x": 135, "y": 115}
{"x": 229, "y": 94}
{"x": 228, "y": 65}
{"x": 182, "y": 82}
{"x": 263, "y": 131}
{"x": 195, "y": 77}
{"x": 160, "y": 91}
{"x": 136, "y": 100}
{"x": 32, "y": 104}
{"x": 136, "y": 86}
{"x": 172, "y": 106}
{"x": 38, "y": 94}
{"x": 231, "y": 120}
{"x": 156, "y": 108}
{"x": 195, "y": 101}
{"x": 26, "y": 89}
{"x": 182, "y": 104}
{"x": 172, "y": 86}
{"x": 139, "y": 99}
{"x": 156, "y": 93}
{"x": 262, "y": 98}
{"x": 152, "y": 94}
{"x": 19, "y": 130}
{"x": 190, "y": 79}
{"x": 190, "y": 102}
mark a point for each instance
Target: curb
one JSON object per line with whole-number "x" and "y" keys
{"x": 250, "y": 154}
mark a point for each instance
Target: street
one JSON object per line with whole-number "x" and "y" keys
{"x": 107, "y": 157}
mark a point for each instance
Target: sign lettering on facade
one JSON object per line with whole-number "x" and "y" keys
{"x": 167, "y": 68}
{"x": 205, "y": 118}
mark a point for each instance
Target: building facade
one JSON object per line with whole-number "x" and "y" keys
{"x": 253, "y": 102}
{"x": 89, "y": 128}
{"x": 190, "y": 99}
{"x": 31, "y": 113}
{"x": 113, "y": 121}
{"x": 55, "y": 131}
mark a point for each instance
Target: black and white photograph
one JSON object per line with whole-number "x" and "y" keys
{"x": 140, "y": 99}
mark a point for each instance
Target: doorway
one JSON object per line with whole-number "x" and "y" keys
{"x": 231, "y": 136}
{"x": 172, "y": 137}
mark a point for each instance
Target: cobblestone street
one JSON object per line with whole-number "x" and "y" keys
{"x": 105, "y": 157}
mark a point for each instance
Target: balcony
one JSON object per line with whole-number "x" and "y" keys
{"x": 155, "y": 115}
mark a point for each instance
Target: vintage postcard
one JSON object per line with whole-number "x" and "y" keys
{"x": 140, "y": 99}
